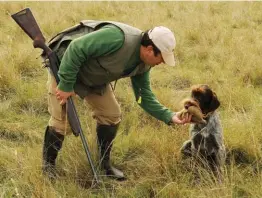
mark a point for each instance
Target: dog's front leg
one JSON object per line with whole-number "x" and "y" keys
{"x": 186, "y": 149}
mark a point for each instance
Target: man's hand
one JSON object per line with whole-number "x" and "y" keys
{"x": 61, "y": 95}
{"x": 177, "y": 120}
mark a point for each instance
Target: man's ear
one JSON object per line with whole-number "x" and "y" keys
{"x": 149, "y": 48}
{"x": 214, "y": 104}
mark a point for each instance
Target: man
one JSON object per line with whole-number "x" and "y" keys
{"x": 93, "y": 54}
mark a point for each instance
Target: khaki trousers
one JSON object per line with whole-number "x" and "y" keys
{"x": 106, "y": 109}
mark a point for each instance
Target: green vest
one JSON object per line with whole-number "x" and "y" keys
{"x": 95, "y": 74}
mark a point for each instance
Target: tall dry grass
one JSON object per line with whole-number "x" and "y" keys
{"x": 218, "y": 43}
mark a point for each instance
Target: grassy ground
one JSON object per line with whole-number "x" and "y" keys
{"x": 218, "y": 43}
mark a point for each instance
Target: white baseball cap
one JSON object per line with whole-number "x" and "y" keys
{"x": 165, "y": 41}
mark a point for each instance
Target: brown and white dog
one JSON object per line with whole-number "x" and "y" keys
{"x": 206, "y": 139}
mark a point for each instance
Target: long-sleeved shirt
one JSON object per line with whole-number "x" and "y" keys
{"x": 103, "y": 42}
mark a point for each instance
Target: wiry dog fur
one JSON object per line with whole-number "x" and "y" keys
{"x": 206, "y": 140}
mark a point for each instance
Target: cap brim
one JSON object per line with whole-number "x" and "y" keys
{"x": 169, "y": 58}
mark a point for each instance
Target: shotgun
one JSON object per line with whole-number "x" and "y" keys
{"x": 27, "y": 22}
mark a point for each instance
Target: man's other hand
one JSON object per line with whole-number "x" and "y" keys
{"x": 63, "y": 96}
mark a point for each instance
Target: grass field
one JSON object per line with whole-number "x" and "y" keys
{"x": 218, "y": 43}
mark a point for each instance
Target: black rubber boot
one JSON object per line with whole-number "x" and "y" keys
{"x": 52, "y": 144}
{"x": 105, "y": 136}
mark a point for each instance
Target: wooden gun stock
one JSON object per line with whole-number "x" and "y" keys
{"x": 27, "y": 22}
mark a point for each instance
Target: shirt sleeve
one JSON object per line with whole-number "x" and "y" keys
{"x": 147, "y": 100}
{"x": 98, "y": 43}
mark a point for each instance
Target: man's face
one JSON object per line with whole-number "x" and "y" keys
{"x": 148, "y": 57}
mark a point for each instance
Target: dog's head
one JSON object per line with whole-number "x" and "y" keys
{"x": 206, "y": 98}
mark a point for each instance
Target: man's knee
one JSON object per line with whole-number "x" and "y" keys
{"x": 108, "y": 119}
{"x": 60, "y": 126}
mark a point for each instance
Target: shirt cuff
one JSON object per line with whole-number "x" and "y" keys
{"x": 65, "y": 87}
{"x": 171, "y": 122}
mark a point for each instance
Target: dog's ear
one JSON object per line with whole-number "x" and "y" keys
{"x": 197, "y": 90}
{"x": 214, "y": 104}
